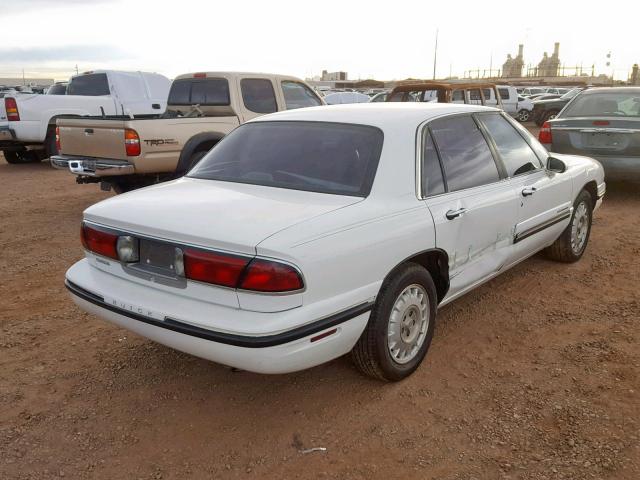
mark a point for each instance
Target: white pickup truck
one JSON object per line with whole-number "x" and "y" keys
{"x": 28, "y": 121}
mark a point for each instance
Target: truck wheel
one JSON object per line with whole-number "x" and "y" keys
{"x": 25, "y": 156}
{"x": 400, "y": 326}
{"x": 524, "y": 115}
{"x": 572, "y": 243}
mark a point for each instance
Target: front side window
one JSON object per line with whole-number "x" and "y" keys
{"x": 504, "y": 93}
{"x": 431, "y": 173}
{"x": 91, "y": 85}
{"x": 297, "y": 95}
{"x": 465, "y": 154}
{"x": 200, "y": 91}
{"x": 514, "y": 151}
{"x": 323, "y": 157}
{"x": 258, "y": 95}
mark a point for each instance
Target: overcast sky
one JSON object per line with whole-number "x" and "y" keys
{"x": 390, "y": 40}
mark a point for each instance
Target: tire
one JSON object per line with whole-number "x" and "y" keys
{"x": 524, "y": 115}
{"x": 21, "y": 157}
{"x": 50, "y": 144}
{"x": 372, "y": 353}
{"x": 195, "y": 159}
{"x": 550, "y": 115}
{"x": 571, "y": 244}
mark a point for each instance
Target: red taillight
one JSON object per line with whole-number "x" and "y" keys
{"x": 545, "y": 133}
{"x": 216, "y": 268}
{"x": 601, "y": 123}
{"x": 11, "y": 107}
{"x": 131, "y": 142}
{"x": 99, "y": 241}
{"x": 199, "y": 75}
{"x": 269, "y": 276}
{"x": 58, "y": 147}
{"x": 233, "y": 271}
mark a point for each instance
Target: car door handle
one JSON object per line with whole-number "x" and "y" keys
{"x": 451, "y": 214}
{"x": 528, "y": 191}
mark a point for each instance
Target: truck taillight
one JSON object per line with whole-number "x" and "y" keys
{"x": 545, "y": 134}
{"x": 131, "y": 142}
{"x": 11, "y": 108}
{"x": 58, "y": 147}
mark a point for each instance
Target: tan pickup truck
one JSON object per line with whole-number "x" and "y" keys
{"x": 128, "y": 152}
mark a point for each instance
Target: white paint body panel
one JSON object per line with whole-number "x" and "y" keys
{"x": 344, "y": 246}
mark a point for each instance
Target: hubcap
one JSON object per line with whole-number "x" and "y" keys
{"x": 524, "y": 116}
{"x": 579, "y": 228}
{"x": 408, "y": 323}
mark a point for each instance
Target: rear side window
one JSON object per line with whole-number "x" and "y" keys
{"x": 514, "y": 151}
{"x": 465, "y": 154}
{"x": 432, "y": 180}
{"x": 258, "y": 95}
{"x": 297, "y": 95}
{"x": 504, "y": 93}
{"x": 323, "y": 157}
{"x": 206, "y": 91}
{"x": 396, "y": 97}
{"x": 92, "y": 85}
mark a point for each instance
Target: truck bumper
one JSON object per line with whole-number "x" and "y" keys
{"x": 6, "y": 135}
{"x": 92, "y": 167}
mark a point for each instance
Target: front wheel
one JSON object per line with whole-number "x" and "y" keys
{"x": 400, "y": 327}
{"x": 572, "y": 243}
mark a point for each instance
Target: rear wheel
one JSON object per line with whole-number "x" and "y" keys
{"x": 22, "y": 156}
{"x": 400, "y": 326}
{"x": 50, "y": 143}
{"x": 550, "y": 115}
{"x": 572, "y": 243}
{"x": 524, "y": 115}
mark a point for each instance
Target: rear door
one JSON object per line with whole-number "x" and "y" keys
{"x": 474, "y": 210}
{"x": 543, "y": 198}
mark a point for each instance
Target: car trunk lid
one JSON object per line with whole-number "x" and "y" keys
{"x": 221, "y": 215}
{"x": 602, "y": 136}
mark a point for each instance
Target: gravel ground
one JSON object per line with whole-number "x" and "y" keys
{"x": 532, "y": 376}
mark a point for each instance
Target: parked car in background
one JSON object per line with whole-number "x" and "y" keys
{"x": 261, "y": 257}
{"x": 379, "y": 97}
{"x": 444, "y": 92}
{"x": 544, "y": 110}
{"x": 528, "y": 91}
{"x": 557, "y": 90}
{"x": 58, "y": 88}
{"x": 32, "y": 118}
{"x": 338, "y": 98}
{"x": 125, "y": 152}
{"x": 515, "y": 105}
{"x": 603, "y": 123}
{"x": 544, "y": 96}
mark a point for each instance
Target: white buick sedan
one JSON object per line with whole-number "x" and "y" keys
{"x": 308, "y": 234}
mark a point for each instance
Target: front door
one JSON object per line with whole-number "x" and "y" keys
{"x": 475, "y": 216}
{"x": 543, "y": 197}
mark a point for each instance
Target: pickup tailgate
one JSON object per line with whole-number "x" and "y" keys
{"x": 93, "y": 137}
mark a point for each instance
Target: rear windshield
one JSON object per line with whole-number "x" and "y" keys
{"x": 91, "y": 85}
{"x": 201, "y": 91}
{"x": 320, "y": 157}
{"x": 605, "y": 104}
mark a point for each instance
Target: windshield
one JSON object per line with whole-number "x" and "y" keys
{"x": 605, "y": 104}
{"x": 320, "y": 157}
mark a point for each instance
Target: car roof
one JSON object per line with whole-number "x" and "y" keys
{"x": 381, "y": 114}
{"x": 591, "y": 91}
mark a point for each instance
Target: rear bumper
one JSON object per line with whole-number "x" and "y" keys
{"x": 266, "y": 352}
{"x": 6, "y": 134}
{"x": 92, "y": 167}
{"x": 620, "y": 168}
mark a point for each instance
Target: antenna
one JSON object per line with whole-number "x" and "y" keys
{"x": 435, "y": 54}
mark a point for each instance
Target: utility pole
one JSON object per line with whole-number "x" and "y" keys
{"x": 23, "y": 82}
{"x": 435, "y": 55}
{"x": 76, "y": 69}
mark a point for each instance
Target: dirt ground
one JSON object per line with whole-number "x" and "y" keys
{"x": 532, "y": 376}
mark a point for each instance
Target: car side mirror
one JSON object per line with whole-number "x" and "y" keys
{"x": 556, "y": 165}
